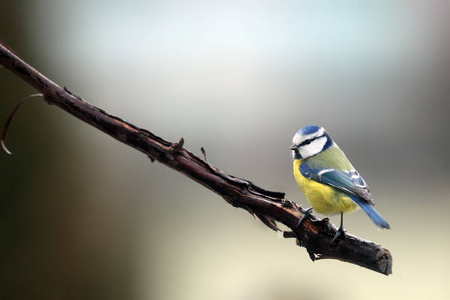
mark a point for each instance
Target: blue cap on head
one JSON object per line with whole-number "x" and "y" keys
{"x": 310, "y": 129}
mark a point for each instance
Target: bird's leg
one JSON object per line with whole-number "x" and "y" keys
{"x": 305, "y": 215}
{"x": 341, "y": 230}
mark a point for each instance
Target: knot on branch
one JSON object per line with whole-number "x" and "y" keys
{"x": 178, "y": 146}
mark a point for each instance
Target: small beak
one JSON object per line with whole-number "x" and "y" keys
{"x": 293, "y": 147}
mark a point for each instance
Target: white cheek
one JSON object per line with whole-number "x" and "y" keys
{"x": 313, "y": 148}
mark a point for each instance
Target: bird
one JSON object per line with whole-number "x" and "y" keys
{"x": 327, "y": 178}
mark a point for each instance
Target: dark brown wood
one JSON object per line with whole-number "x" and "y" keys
{"x": 270, "y": 207}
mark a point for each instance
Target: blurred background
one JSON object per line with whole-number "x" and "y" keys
{"x": 83, "y": 216}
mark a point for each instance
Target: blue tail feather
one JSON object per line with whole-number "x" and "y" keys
{"x": 371, "y": 212}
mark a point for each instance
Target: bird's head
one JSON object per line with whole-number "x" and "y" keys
{"x": 309, "y": 141}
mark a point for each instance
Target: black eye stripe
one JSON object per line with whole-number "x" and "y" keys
{"x": 309, "y": 141}
{"x": 306, "y": 142}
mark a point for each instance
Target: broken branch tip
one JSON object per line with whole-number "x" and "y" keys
{"x": 4, "y": 147}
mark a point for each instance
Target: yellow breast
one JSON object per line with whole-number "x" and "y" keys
{"x": 323, "y": 198}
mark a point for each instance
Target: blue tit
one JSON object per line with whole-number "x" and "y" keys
{"x": 327, "y": 178}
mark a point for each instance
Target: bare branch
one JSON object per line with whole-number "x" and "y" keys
{"x": 313, "y": 234}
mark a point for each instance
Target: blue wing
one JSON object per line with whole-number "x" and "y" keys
{"x": 348, "y": 181}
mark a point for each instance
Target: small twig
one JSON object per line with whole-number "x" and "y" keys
{"x": 204, "y": 154}
{"x": 10, "y": 118}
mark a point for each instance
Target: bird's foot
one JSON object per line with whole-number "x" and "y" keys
{"x": 341, "y": 231}
{"x": 305, "y": 215}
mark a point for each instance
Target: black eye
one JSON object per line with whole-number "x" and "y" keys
{"x": 306, "y": 142}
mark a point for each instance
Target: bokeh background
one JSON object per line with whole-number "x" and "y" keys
{"x": 85, "y": 217}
